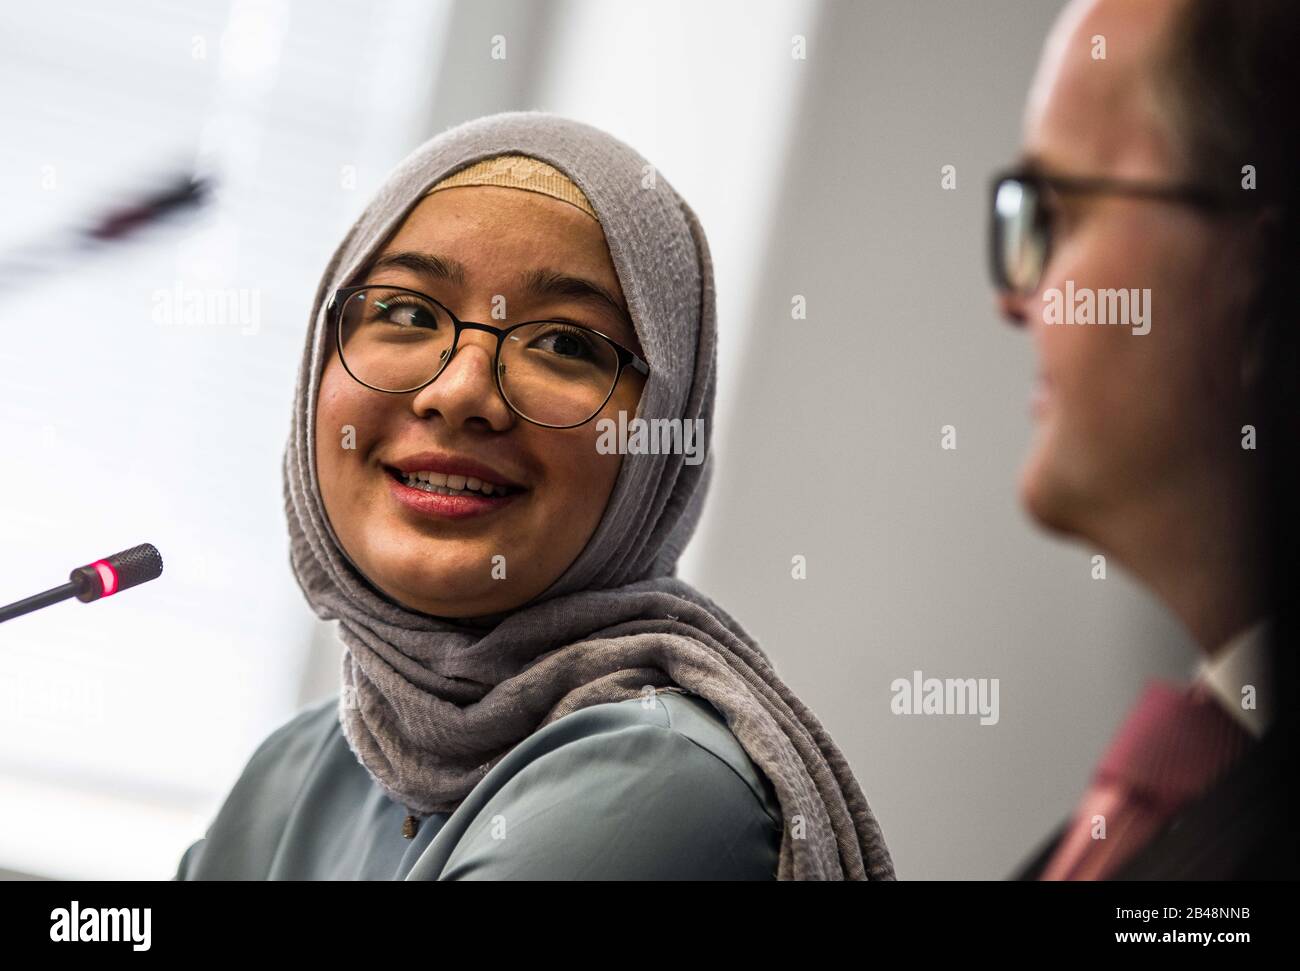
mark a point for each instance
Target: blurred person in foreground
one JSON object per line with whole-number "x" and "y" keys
{"x": 1146, "y": 241}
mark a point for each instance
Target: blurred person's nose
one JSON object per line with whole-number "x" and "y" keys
{"x": 1012, "y": 308}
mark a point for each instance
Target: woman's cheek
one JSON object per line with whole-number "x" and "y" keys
{"x": 345, "y": 432}
{"x": 330, "y": 422}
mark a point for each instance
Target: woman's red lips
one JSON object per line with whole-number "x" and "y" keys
{"x": 462, "y": 505}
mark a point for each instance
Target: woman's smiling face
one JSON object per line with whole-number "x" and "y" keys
{"x": 474, "y": 248}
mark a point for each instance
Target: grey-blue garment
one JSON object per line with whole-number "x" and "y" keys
{"x": 643, "y": 789}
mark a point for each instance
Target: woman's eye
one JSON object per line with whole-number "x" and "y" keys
{"x": 565, "y": 343}
{"x": 409, "y": 315}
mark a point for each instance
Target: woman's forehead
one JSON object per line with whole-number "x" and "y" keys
{"x": 494, "y": 223}
{"x": 525, "y": 245}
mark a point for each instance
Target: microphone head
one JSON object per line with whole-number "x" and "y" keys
{"x": 105, "y": 577}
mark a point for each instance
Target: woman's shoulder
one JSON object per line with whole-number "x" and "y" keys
{"x": 292, "y": 746}
{"x": 253, "y": 815}
{"x": 649, "y": 788}
{"x": 687, "y": 717}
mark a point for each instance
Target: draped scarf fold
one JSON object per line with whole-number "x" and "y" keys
{"x": 428, "y": 704}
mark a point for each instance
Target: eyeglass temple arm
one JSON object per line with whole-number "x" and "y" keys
{"x": 1200, "y": 195}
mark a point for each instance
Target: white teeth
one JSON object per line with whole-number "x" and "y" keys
{"x": 451, "y": 485}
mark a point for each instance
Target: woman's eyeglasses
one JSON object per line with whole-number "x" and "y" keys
{"x": 554, "y": 373}
{"x": 1021, "y": 217}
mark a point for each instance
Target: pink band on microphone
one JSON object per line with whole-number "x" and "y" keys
{"x": 107, "y": 577}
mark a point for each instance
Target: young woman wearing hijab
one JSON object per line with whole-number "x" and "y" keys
{"x": 528, "y": 691}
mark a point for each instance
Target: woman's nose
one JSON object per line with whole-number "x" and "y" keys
{"x": 467, "y": 389}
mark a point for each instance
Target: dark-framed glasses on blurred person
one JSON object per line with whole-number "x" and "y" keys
{"x": 554, "y": 373}
{"x": 1024, "y": 203}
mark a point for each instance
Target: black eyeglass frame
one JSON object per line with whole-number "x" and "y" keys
{"x": 1185, "y": 194}
{"x": 626, "y": 358}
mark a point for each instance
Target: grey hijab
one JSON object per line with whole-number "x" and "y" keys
{"x": 430, "y": 704}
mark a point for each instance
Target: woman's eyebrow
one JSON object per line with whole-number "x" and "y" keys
{"x": 425, "y": 264}
{"x": 541, "y": 283}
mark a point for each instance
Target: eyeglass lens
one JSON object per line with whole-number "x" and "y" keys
{"x": 550, "y": 372}
{"x": 1020, "y": 235}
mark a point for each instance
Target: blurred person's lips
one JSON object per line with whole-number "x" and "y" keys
{"x": 1041, "y": 394}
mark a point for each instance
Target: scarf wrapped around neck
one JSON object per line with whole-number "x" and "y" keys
{"x": 430, "y": 704}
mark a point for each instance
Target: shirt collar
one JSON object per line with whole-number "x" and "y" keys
{"x": 1242, "y": 661}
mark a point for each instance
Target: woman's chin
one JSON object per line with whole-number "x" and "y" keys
{"x": 452, "y": 593}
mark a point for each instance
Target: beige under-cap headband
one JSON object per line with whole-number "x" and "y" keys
{"x": 520, "y": 172}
